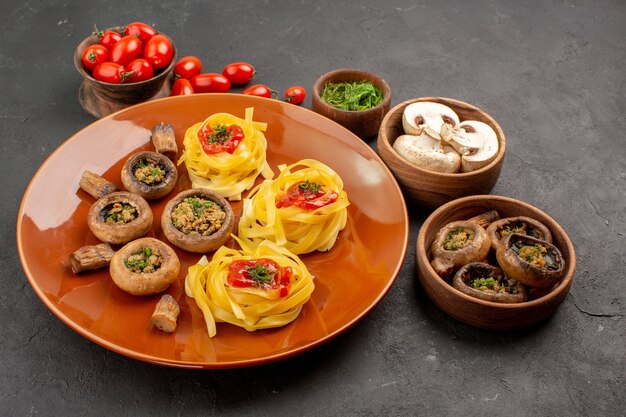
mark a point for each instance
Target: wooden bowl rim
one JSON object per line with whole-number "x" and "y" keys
{"x": 555, "y": 228}
{"x": 321, "y": 81}
{"x": 385, "y": 143}
{"x": 93, "y": 39}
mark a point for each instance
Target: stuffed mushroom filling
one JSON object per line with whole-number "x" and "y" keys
{"x": 119, "y": 213}
{"x": 536, "y": 255}
{"x": 145, "y": 261}
{"x": 496, "y": 286}
{"x": 457, "y": 239}
{"x": 198, "y": 216}
{"x": 149, "y": 173}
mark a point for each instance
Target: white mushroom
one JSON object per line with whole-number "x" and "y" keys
{"x": 428, "y": 117}
{"x": 479, "y": 143}
{"x": 428, "y": 153}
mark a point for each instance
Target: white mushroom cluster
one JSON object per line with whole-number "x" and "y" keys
{"x": 435, "y": 139}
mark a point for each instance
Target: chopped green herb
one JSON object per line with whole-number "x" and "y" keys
{"x": 147, "y": 252}
{"x": 484, "y": 283}
{"x": 219, "y": 135}
{"x": 358, "y": 95}
{"x": 309, "y": 187}
{"x": 136, "y": 263}
{"x": 260, "y": 274}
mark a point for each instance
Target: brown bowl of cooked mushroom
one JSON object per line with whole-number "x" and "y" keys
{"x": 440, "y": 149}
{"x": 197, "y": 220}
{"x": 521, "y": 286}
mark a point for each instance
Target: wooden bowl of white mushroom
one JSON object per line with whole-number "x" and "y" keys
{"x": 440, "y": 149}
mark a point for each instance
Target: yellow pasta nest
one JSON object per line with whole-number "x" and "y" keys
{"x": 225, "y": 173}
{"x": 252, "y": 308}
{"x": 297, "y": 229}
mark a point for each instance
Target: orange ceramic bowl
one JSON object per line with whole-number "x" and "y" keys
{"x": 488, "y": 314}
{"x": 350, "y": 279}
{"x": 115, "y": 96}
{"x": 432, "y": 189}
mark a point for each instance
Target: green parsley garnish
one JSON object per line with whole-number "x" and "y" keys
{"x": 450, "y": 244}
{"x": 136, "y": 263}
{"x": 219, "y": 135}
{"x": 309, "y": 187}
{"x": 197, "y": 206}
{"x": 484, "y": 283}
{"x": 260, "y": 274}
{"x": 358, "y": 95}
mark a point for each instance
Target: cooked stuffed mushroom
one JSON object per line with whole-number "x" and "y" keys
{"x": 456, "y": 244}
{"x": 197, "y": 220}
{"x": 149, "y": 174}
{"x": 489, "y": 283}
{"x": 531, "y": 261}
{"x": 144, "y": 267}
{"x": 499, "y": 229}
{"x": 119, "y": 217}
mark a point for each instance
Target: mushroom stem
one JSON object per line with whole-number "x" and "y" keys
{"x": 485, "y": 219}
{"x": 91, "y": 257}
{"x": 166, "y": 313}
{"x": 164, "y": 140}
{"x": 96, "y": 186}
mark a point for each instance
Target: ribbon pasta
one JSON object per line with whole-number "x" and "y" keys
{"x": 299, "y": 230}
{"x": 225, "y": 173}
{"x": 252, "y": 308}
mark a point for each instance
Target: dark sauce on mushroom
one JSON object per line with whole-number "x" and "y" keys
{"x": 148, "y": 172}
{"x": 145, "y": 261}
{"x": 119, "y": 213}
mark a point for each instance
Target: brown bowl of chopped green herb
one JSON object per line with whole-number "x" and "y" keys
{"x": 356, "y": 99}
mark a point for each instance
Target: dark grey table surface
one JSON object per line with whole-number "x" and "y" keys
{"x": 552, "y": 74}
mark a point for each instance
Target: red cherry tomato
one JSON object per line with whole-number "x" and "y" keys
{"x": 94, "y": 55}
{"x": 108, "y": 38}
{"x": 140, "y": 30}
{"x": 159, "y": 51}
{"x": 108, "y": 72}
{"x": 260, "y": 273}
{"x": 210, "y": 83}
{"x": 187, "y": 67}
{"x": 138, "y": 70}
{"x": 307, "y": 195}
{"x": 126, "y": 50}
{"x": 239, "y": 72}
{"x": 182, "y": 87}
{"x": 260, "y": 90}
{"x": 295, "y": 94}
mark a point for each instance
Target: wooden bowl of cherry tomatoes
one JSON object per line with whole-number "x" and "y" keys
{"x": 122, "y": 66}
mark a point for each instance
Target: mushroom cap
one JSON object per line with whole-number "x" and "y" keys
{"x": 533, "y": 228}
{"x": 523, "y": 271}
{"x": 478, "y": 144}
{"x": 115, "y": 233}
{"x": 197, "y": 243}
{"x": 476, "y": 250}
{"x": 149, "y": 191}
{"x": 143, "y": 283}
{"x": 428, "y": 153}
{"x": 472, "y": 270}
{"x": 428, "y": 116}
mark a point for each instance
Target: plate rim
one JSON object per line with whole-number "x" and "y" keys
{"x": 144, "y": 357}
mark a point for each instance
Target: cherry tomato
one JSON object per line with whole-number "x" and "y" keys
{"x": 140, "y": 30}
{"x": 182, "y": 87}
{"x": 260, "y": 90}
{"x": 220, "y": 138}
{"x": 93, "y": 55}
{"x": 306, "y": 195}
{"x": 159, "y": 51}
{"x": 210, "y": 83}
{"x": 108, "y": 72}
{"x": 138, "y": 70}
{"x": 239, "y": 72}
{"x": 295, "y": 94}
{"x": 108, "y": 38}
{"x": 126, "y": 50}
{"x": 187, "y": 67}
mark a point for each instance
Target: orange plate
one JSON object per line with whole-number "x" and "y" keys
{"x": 350, "y": 279}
